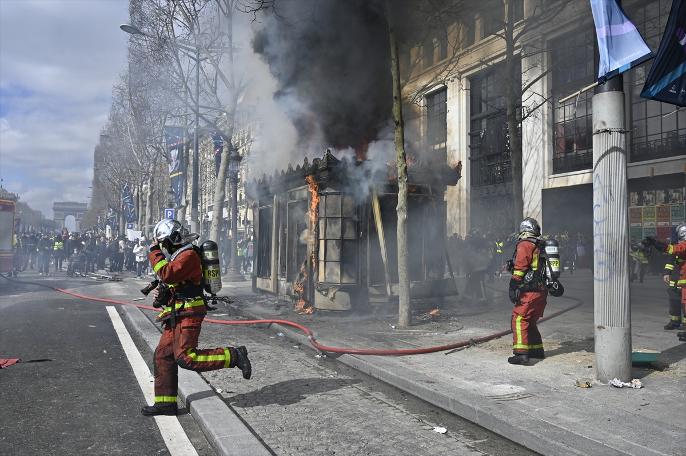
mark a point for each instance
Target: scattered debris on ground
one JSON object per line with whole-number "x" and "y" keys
{"x": 617, "y": 383}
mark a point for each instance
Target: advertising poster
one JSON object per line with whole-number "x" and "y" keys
{"x": 649, "y": 216}
{"x": 677, "y": 214}
{"x": 648, "y": 197}
{"x": 649, "y": 231}
{"x": 636, "y": 216}
{"x": 663, "y": 215}
{"x": 636, "y": 233}
{"x": 664, "y": 233}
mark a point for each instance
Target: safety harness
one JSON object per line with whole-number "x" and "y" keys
{"x": 187, "y": 297}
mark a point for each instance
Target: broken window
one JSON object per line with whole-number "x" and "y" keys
{"x": 338, "y": 259}
{"x": 264, "y": 246}
{"x": 437, "y": 122}
{"x": 296, "y": 248}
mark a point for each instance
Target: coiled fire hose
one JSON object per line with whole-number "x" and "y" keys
{"x": 309, "y": 333}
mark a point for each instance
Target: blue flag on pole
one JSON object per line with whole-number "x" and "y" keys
{"x": 667, "y": 78}
{"x": 620, "y": 45}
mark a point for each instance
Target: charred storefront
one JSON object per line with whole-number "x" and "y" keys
{"x": 326, "y": 232}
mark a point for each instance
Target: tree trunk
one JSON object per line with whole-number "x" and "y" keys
{"x": 148, "y": 206}
{"x": 512, "y": 122}
{"x": 219, "y": 192}
{"x": 404, "y": 304}
{"x": 220, "y": 183}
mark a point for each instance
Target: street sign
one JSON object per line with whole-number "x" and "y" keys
{"x": 170, "y": 213}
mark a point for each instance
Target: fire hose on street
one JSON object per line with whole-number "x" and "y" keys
{"x": 308, "y": 332}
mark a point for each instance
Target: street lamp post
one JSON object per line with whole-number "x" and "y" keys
{"x": 234, "y": 273}
{"x": 192, "y": 52}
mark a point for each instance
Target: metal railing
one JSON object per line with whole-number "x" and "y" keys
{"x": 490, "y": 171}
{"x": 573, "y": 162}
{"x": 658, "y": 148}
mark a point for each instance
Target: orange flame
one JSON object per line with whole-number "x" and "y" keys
{"x": 302, "y": 306}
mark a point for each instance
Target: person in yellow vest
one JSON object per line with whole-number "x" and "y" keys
{"x": 639, "y": 262}
{"x": 58, "y": 252}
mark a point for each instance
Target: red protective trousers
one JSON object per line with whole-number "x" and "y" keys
{"x": 178, "y": 347}
{"x": 525, "y": 314}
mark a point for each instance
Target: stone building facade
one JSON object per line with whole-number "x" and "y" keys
{"x": 460, "y": 116}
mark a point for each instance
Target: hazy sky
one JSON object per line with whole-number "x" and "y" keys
{"x": 58, "y": 62}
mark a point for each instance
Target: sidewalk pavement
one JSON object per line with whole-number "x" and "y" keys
{"x": 537, "y": 406}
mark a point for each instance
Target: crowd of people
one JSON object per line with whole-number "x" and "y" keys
{"x": 91, "y": 252}
{"x": 79, "y": 253}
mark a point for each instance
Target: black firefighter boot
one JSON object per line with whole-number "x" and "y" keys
{"x": 239, "y": 359}
{"x": 160, "y": 409}
{"x": 681, "y": 336}
{"x": 673, "y": 324}
{"x": 519, "y": 359}
{"x": 537, "y": 353}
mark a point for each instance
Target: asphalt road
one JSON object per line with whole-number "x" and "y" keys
{"x": 86, "y": 400}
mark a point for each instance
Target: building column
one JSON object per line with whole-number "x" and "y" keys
{"x": 611, "y": 293}
{"x": 457, "y": 143}
{"x": 534, "y": 139}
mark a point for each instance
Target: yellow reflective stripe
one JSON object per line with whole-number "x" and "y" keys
{"x": 527, "y": 347}
{"x": 518, "y": 329}
{"x": 670, "y": 249}
{"x": 534, "y": 261}
{"x": 673, "y": 318}
{"x": 683, "y": 320}
{"x": 518, "y": 273}
{"x": 160, "y": 265}
{"x": 197, "y": 302}
{"x": 672, "y": 283}
{"x": 227, "y": 353}
{"x": 207, "y": 358}
{"x": 681, "y": 282}
{"x": 159, "y": 399}
{"x": 669, "y": 266}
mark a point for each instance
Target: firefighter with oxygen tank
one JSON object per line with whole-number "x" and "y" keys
{"x": 184, "y": 270}
{"x": 535, "y": 268}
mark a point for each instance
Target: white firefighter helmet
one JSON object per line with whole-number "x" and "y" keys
{"x": 681, "y": 232}
{"x": 530, "y": 225}
{"x": 168, "y": 229}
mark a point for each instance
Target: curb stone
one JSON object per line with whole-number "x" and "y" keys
{"x": 222, "y": 427}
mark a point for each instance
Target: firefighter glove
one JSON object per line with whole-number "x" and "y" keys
{"x": 515, "y": 291}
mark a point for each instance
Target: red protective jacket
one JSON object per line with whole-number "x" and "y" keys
{"x": 527, "y": 256}
{"x": 678, "y": 250}
{"x": 183, "y": 272}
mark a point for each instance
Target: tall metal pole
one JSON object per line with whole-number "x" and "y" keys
{"x": 611, "y": 293}
{"x": 196, "y": 154}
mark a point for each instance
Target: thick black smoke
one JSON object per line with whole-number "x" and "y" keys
{"x": 332, "y": 58}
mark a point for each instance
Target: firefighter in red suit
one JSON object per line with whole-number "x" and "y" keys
{"x": 179, "y": 269}
{"x": 528, "y": 293}
{"x": 678, "y": 249}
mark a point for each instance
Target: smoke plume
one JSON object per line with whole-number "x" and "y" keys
{"x": 331, "y": 62}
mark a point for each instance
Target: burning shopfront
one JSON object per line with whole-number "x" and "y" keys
{"x": 326, "y": 232}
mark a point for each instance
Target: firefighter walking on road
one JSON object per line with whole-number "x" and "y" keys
{"x": 177, "y": 263}
{"x": 677, "y": 250}
{"x": 528, "y": 293}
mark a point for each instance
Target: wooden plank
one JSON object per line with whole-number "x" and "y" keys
{"x": 376, "y": 208}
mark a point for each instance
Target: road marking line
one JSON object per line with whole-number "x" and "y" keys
{"x": 173, "y": 434}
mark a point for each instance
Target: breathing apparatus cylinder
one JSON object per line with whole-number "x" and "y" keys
{"x": 552, "y": 253}
{"x": 211, "y": 269}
